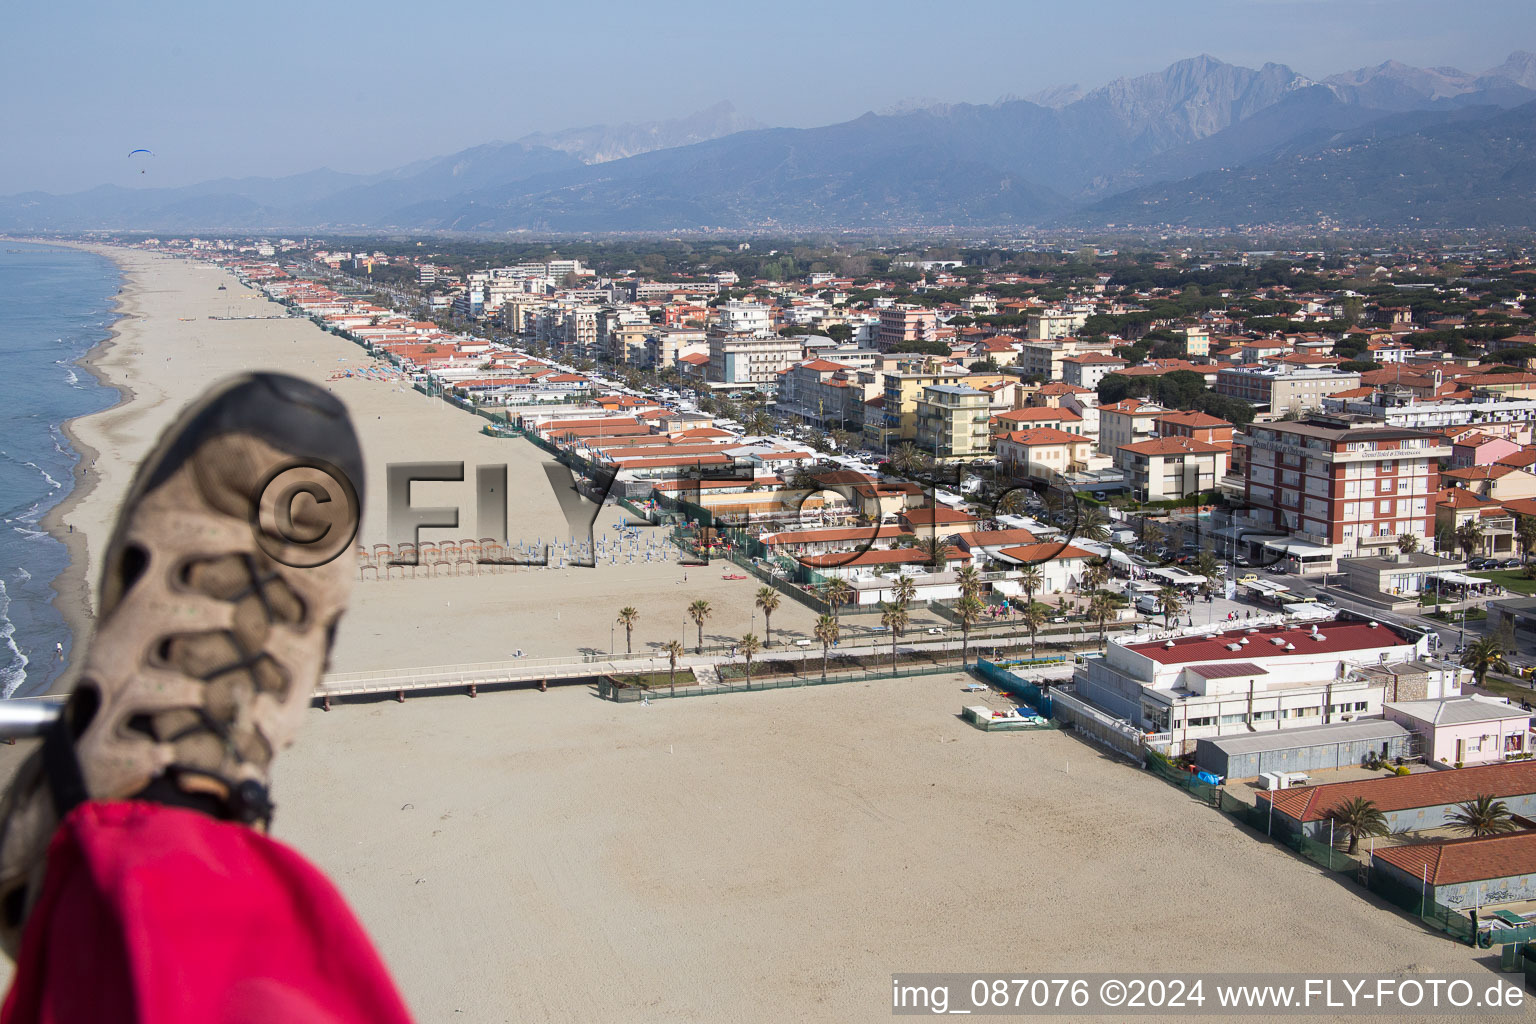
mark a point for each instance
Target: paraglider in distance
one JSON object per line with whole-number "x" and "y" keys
{"x": 135, "y": 152}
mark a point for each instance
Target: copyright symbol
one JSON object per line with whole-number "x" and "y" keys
{"x": 306, "y": 513}
{"x": 1112, "y": 992}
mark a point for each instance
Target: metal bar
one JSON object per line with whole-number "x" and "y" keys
{"x": 22, "y": 719}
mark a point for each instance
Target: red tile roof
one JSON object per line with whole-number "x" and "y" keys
{"x": 1489, "y": 472}
{"x": 1047, "y": 552}
{"x": 1039, "y": 415}
{"x": 990, "y": 538}
{"x": 1173, "y": 446}
{"x": 1406, "y": 792}
{"x": 1339, "y": 637}
{"x": 894, "y": 556}
{"x": 835, "y": 533}
{"x": 1465, "y": 860}
{"x": 929, "y": 515}
{"x": 1194, "y": 420}
{"x": 1460, "y": 497}
{"x": 1519, "y": 460}
{"x": 1042, "y": 436}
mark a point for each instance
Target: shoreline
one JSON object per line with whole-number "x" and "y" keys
{"x": 72, "y": 587}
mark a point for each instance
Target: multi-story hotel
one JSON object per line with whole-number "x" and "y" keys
{"x": 1342, "y": 484}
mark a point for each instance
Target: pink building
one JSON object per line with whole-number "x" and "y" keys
{"x": 1479, "y": 449}
{"x": 1465, "y": 730}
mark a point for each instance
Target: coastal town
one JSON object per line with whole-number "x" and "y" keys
{"x": 1258, "y": 523}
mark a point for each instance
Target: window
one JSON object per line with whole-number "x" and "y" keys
{"x": 1233, "y": 719}
{"x": 1196, "y": 723}
{"x": 1263, "y": 716}
{"x": 1361, "y": 705}
{"x": 1306, "y": 712}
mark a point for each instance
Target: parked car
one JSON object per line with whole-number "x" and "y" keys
{"x": 1510, "y": 563}
{"x": 1479, "y": 564}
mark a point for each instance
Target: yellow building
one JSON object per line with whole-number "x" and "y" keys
{"x": 952, "y": 422}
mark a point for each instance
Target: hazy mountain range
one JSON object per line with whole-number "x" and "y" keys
{"x": 1201, "y": 143}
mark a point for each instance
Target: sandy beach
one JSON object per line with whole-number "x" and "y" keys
{"x": 756, "y": 857}
{"x": 165, "y": 351}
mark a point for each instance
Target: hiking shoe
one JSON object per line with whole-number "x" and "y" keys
{"x": 221, "y": 588}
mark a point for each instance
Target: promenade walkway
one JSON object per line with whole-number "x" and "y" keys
{"x": 544, "y": 671}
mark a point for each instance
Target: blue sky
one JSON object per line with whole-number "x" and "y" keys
{"x": 224, "y": 89}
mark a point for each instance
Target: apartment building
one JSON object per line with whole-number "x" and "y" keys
{"x": 902, "y": 324}
{"x": 1086, "y": 370}
{"x": 664, "y": 346}
{"x": 1168, "y": 468}
{"x": 1197, "y": 426}
{"x": 826, "y": 394}
{"x": 1041, "y": 453}
{"x": 1342, "y": 486}
{"x": 952, "y": 422}
{"x": 748, "y": 358}
{"x": 898, "y": 419}
{"x": 1053, "y": 323}
{"x": 1126, "y": 422}
{"x": 1492, "y": 414}
{"x": 738, "y": 317}
{"x": 1283, "y": 388}
{"x": 1046, "y": 359}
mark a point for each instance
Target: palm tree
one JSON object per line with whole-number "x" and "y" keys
{"x": 893, "y": 616}
{"x": 1467, "y": 536}
{"x": 1482, "y": 816}
{"x": 838, "y": 592}
{"x": 675, "y": 650}
{"x": 1407, "y": 543}
{"x": 768, "y": 600}
{"x": 1014, "y": 500}
{"x": 908, "y": 460}
{"x": 1096, "y": 575}
{"x": 1031, "y": 580}
{"x": 904, "y": 590}
{"x": 1358, "y": 817}
{"x": 698, "y": 612}
{"x": 1525, "y": 533}
{"x": 1484, "y": 656}
{"x": 1169, "y": 604}
{"x": 826, "y": 631}
{"x": 1034, "y": 618}
{"x": 969, "y": 611}
{"x": 750, "y": 645}
{"x": 627, "y": 618}
{"x": 1208, "y": 566}
{"x": 1151, "y": 533}
{"x": 936, "y": 550}
{"x": 969, "y": 579}
{"x": 1100, "y": 608}
{"x": 1092, "y": 524}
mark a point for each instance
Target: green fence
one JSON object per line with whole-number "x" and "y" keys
{"x": 606, "y": 688}
{"x": 1016, "y": 685}
{"x": 1356, "y": 867}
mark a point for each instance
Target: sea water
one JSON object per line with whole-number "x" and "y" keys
{"x": 55, "y": 304}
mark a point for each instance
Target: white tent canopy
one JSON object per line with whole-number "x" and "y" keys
{"x": 1458, "y": 578}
